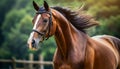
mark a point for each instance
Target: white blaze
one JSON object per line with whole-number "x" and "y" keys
{"x": 38, "y": 17}
{"x": 34, "y": 27}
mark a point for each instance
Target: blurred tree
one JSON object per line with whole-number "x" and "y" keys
{"x": 110, "y": 26}
{"x": 16, "y": 38}
{"x": 11, "y": 19}
{"x": 5, "y": 6}
{"x": 107, "y": 12}
{"x": 103, "y": 8}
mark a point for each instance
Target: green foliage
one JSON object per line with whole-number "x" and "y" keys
{"x": 3, "y": 53}
{"x": 16, "y": 39}
{"x": 103, "y": 8}
{"x": 11, "y": 19}
{"x": 5, "y": 6}
{"x": 107, "y": 13}
{"x": 110, "y": 26}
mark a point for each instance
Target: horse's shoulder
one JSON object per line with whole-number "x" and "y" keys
{"x": 102, "y": 43}
{"x": 99, "y": 36}
{"x": 103, "y": 39}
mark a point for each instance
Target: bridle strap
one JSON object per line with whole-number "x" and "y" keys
{"x": 49, "y": 25}
{"x": 40, "y": 33}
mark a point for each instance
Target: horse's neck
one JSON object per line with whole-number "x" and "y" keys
{"x": 68, "y": 37}
{"x": 63, "y": 37}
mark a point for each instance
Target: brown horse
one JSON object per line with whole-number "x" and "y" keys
{"x": 75, "y": 49}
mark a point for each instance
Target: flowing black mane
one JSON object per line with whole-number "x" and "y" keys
{"x": 80, "y": 20}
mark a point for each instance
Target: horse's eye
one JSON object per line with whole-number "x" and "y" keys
{"x": 45, "y": 20}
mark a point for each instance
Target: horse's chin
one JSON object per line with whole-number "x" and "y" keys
{"x": 33, "y": 47}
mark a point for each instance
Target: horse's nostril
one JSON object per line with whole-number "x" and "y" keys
{"x": 33, "y": 41}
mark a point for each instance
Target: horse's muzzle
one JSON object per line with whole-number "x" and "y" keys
{"x": 32, "y": 45}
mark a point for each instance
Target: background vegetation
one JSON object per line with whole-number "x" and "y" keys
{"x": 16, "y": 24}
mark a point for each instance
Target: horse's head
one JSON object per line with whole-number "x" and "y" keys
{"x": 43, "y": 23}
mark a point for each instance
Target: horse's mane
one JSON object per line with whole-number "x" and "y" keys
{"x": 80, "y": 20}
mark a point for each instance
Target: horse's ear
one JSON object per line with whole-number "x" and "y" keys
{"x": 46, "y": 6}
{"x": 35, "y": 6}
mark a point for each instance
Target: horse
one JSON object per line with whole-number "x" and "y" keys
{"x": 75, "y": 48}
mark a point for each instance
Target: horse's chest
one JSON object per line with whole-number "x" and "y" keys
{"x": 71, "y": 62}
{"x": 60, "y": 64}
